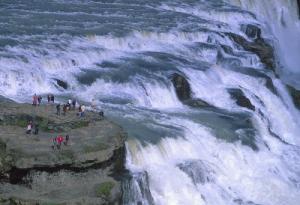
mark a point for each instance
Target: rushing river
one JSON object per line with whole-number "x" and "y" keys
{"x": 123, "y": 53}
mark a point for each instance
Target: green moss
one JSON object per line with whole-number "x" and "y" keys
{"x": 104, "y": 189}
{"x": 21, "y": 122}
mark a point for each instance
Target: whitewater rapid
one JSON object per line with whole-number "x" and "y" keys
{"x": 124, "y": 54}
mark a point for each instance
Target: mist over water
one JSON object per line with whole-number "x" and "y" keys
{"x": 124, "y": 54}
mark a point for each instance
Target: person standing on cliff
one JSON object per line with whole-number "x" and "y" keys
{"x": 59, "y": 140}
{"x": 73, "y": 103}
{"x": 52, "y": 98}
{"x": 34, "y": 100}
{"x": 39, "y": 99}
{"x": 66, "y": 140}
{"x": 58, "y": 109}
{"x": 82, "y": 111}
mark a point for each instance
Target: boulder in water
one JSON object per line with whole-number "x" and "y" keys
{"x": 252, "y": 31}
{"x": 258, "y": 46}
{"x": 240, "y": 98}
{"x": 182, "y": 87}
{"x": 62, "y": 84}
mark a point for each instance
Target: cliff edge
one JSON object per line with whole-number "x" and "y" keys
{"x": 33, "y": 170}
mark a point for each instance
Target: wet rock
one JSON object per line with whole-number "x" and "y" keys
{"x": 295, "y": 95}
{"x": 182, "y": 87}
{"x": 240, "y": 98}
{"x": 258, "y": 46}
{"x": 62, "y": 84}
{"x": 184, "y": 93}
{"x": 31, "y": 172}
{"x": 252, "y": 31}
{"x": 197, "y": 103}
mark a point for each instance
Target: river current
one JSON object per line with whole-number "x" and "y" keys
{"x": 123, "y": 53}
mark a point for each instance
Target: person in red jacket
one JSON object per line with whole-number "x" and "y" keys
{"x": 59, "y": 140}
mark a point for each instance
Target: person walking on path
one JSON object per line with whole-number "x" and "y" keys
{"x": 48, "y": 98}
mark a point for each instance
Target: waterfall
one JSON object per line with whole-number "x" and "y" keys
{"x": 231, "y": 140}
{"x": 282, "y": 18}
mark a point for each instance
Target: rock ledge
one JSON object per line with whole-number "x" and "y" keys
{"x": 31, "y": 172}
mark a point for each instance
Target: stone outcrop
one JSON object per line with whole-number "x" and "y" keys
{"x": 85, "y": 171}
{"x": 62, "y": 84}
{"x": 258, "y": 45}
{"x": 240, "y": 98}
{"x": 184, "y": 93}
{"x": 182, "y": 87}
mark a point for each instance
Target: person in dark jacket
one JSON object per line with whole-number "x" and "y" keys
{"x": 66, "y": 140}
{"x": 39, "y": 99}
{"x": 36, "y": 129}
{"x": 73, "y": 104}
{"x": 52, "y": 98}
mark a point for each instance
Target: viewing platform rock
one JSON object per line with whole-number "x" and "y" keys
{"x": 86, "y": 170}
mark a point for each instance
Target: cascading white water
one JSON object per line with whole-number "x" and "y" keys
{"x": 124, "y": 54}
{"x": 282, "y": 17}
